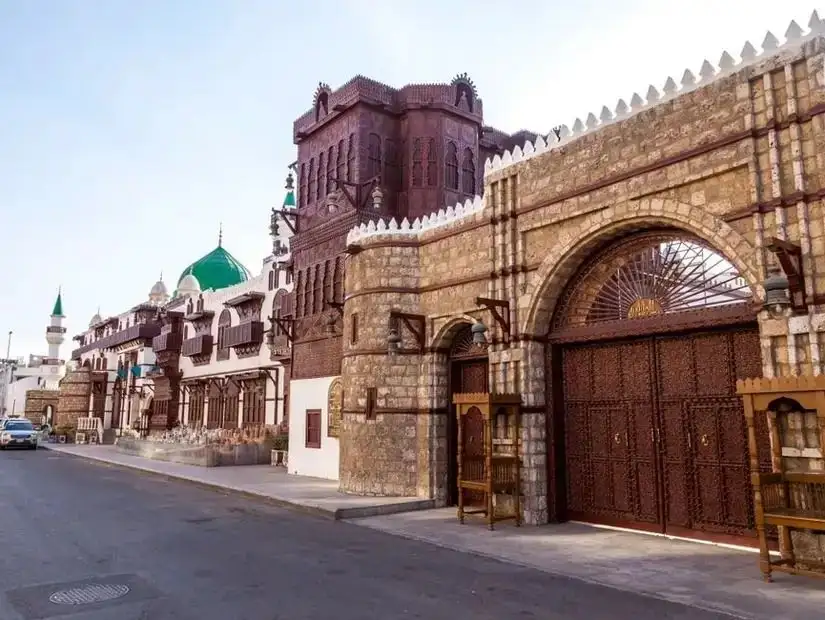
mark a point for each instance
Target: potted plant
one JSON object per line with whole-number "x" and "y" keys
{"x": 280, "y": 448}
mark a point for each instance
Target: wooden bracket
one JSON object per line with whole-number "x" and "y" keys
{"x": 500, "y": 311}
{"x": 285, "y": 325}
{"x": 360, "y": 197}
{"x": 415, "y": 323}
{"x": 335, "y": 304}
{"x": 790, "y": 259}
{"x": 286, "y": 214}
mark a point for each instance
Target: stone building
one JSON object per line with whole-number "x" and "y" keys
{"x": 365, "y": 150}
{"x": 619, "y": 271}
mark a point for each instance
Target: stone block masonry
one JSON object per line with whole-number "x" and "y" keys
{"x": 729, "y": 159}
{"x": 74, "y": 397}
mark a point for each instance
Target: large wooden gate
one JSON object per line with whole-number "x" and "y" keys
{"x": 654, "y": 434}
{"x": 650, "y": 338}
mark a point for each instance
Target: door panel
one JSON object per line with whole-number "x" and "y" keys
{"x": 654, "y": 432}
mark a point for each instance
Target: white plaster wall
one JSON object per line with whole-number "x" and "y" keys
{"x": 214, "y": 301}
{"x": 16, "y": 394}
{"x": 320, "y": 463}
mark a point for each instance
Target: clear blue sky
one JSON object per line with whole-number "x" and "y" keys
{"x": 130, "y": 129}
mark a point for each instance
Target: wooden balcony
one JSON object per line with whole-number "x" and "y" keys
{"x": 245, "y": 334}
{"x": 168, "y": 342}
{"x": 142, "y": 331}
{"x": 199, "y": 346}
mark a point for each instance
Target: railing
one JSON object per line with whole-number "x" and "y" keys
{"x": 201, "y": 345}
{"x": 251, "y": 332}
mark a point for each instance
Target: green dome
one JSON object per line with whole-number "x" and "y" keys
{"x": 218, "y": 269}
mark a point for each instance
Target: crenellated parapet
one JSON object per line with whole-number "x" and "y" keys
{"x": 795, "y": 41}
{"x": 461, "y": 213}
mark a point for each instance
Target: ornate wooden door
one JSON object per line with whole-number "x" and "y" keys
{"x": 703, "y": 438}
{"x": 655, "y": 436}
{"x": 611, "y": 466}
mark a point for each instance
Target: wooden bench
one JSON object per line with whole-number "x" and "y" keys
{"x": 788, "y": 501}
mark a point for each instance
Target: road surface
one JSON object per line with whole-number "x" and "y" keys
{"x": 86, "y": 541}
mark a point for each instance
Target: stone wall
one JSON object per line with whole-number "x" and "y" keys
{"x": 74, "y": 397}
{"x": 36, "y": 403}
{"x": 733, "y": 160}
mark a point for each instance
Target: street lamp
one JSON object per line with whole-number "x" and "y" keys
{"x": 777, "y": 298}
{"x": 478, "y": 330}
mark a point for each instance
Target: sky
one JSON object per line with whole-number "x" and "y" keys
{"x": 130, "y": 131}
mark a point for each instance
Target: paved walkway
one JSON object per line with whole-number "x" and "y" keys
{"x": 272, "y": 484}
{"x": 710, "y": 577}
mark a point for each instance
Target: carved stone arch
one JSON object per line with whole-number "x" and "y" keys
{"x": 464, "y": 89}
{"x": 320, "y": 100}
{"x": 571, "y": 251}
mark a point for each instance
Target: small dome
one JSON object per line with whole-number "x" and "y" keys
{"x": 158, "y": 289}
{"x": 188, "y": 286}
{"x": 96, "y": 318}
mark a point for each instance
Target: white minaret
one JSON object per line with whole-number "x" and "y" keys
{"x": 55, "y": 332}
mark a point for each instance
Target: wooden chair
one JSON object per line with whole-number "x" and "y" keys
{"x": 787, "y": 500}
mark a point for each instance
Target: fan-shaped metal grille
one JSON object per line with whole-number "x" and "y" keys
{"x": 648, "y": 275}
{"x": 463, "y": 346}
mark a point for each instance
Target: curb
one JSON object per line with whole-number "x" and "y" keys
{"x": 336, "y": 514}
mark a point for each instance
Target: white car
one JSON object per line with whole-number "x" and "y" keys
{"x": 18, "y": 433}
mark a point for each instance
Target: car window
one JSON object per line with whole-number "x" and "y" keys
{"x": 18, "y": 426}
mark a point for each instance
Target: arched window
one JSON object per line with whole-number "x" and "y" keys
{"x": 432, "y": 163}
{"x": 464, "y": 90}
{"x": 374, "y": 156}
{"x": 310, "y": 182}
{"x": 308, "y": 284}
{"x": 451, "y": 167}
{"x": 317, "y": 289}
{"x": 330, "y": 169}
{"x": 417, "y": 167}
{"x": 468, "y": 173}
{"x": 321, "y": 105}
{"x": 271, "y": 279}
{"x": 277, "y": 308}
{"x": 299, "y": 294}
{"x": 327, "y": 293}
{"x": 340, "y": 163}
{"x": 351, "y": 157}
{"x": 390, "y": 165}
{"x": 302, "y": 186}
{"x": 224, "y": 323}
{"x": 338, "y": 281}
{"x": 320, "y": 193}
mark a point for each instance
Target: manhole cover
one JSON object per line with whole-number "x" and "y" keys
{"x": 91, "y": 593}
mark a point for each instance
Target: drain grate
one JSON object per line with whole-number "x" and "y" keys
{"x": 90, "y": 593}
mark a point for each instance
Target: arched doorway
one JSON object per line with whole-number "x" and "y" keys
{"x": 469, "y": 370}
{"x": 648, "y": 340}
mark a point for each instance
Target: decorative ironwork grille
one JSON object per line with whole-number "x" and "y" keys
{"x": 647, "y": 275}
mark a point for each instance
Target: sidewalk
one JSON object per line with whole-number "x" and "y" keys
{"x": 263, "y": 482}
{"x": 706, "y": 576}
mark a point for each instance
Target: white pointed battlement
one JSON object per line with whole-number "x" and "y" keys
{"x": 708, "y": 73}
{"x": 460, "y": 213}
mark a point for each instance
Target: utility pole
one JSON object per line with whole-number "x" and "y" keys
{"x": 8, "y": 366}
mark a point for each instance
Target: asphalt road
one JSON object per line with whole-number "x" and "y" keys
{"x": 171, "y": 550}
